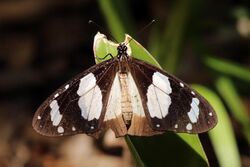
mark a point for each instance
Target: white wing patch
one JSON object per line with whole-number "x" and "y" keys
{"x": 193, "y": 114}
{"x": 135, "y": 97}
{"x": 55, "y": 115}
{"x": 96, "y": 104}
{"x": 153, "y": 106}
{"x": 86, "y": 83}
{"x": 90, "y": 101}
{"x": 114, "y": 102}
{"x": 162, "y": 82}
{"x": 85, "y": 102}
{"x": 125, "y": 105}
{"x": 158, "y": 96}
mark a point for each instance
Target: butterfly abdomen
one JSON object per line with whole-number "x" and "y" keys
{"x": 126, "y": 106}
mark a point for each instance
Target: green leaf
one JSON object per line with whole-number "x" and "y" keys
{"x": 228, "y": 68}
{"x": 102, "y": 47}
{"x": 117, "y": 16}
{"x": 170, "y": 149}
{"x": 228, "y": 92}
{"x": 222, "y": 136}
{"x": 173, "y": 35}
{"x": 137, "y": 158}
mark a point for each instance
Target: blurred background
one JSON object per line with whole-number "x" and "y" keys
{"x": 44, "y": 43}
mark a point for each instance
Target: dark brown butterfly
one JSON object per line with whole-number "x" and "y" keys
{"x": 127, "y": 95}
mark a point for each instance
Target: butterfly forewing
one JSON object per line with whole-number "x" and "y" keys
{"x": 169, "y": 103}
{"x": 79, "y": 105}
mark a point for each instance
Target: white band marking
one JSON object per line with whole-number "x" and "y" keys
{"x": 158, "y": 96}
{"x": 91, "y": 104}
{"x": 90, "y": 101}
{"x": 55, "y": 115}
{"x": 162, "y": 82}
{"x": 86, "y": 83}
{"x": 193, "y": 114}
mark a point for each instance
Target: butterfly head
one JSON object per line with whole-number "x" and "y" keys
{"x": 122, "y": 50}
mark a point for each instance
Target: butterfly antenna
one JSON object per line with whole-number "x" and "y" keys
{"x": 143, "y": 29}
{"x": 102, "y": 29}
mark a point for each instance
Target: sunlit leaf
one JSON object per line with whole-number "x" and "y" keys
{"x": 228, "y": 68}
{"x": 222, "y": 136}
{"x": 227, "y": 90}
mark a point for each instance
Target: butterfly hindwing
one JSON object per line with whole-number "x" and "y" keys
{"x": 169, "y": 103}
{"x": 79, "y": 105}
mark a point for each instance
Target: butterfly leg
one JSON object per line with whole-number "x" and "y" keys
{"x": 103, "y": 58}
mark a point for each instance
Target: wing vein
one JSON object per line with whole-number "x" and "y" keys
{"x": 158, "y": 100}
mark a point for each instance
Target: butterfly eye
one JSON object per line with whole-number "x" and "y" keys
{"x": 124, "y": 48}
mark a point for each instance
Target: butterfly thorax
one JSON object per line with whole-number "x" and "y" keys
{"x": 122, "y": 51}
{"x": 122, "y": 57}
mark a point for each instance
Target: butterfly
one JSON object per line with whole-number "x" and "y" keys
{"x": 127, "y": 95}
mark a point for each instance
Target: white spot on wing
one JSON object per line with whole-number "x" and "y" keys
{"x": 192, "y": 92}
{"x": 176, "y": 126}
{"x": 66, "y": 86}
{"x": 210, "y": 114}
{"x": 193, "y": 114}
{"x": 181, "y": 84}
{"x": 158, "y": 125}
{"x": 189, "y": 126}
{"x": 60, "y": 129}
{"x": 55, "y": 115}
{"x": 38, "y": 117}
{"x": 56, "y": 95}
{"x": 73, "y": 128}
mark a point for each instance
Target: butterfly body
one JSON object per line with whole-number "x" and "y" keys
{"x": 127, "y": 95}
